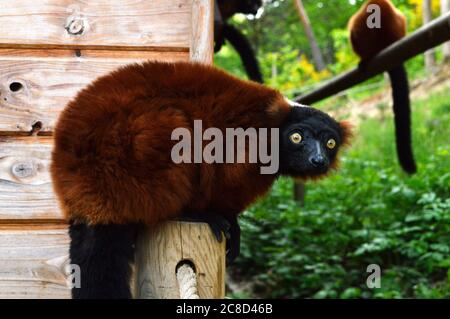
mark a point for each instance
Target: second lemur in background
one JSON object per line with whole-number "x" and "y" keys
{"x": 367, "y": 41}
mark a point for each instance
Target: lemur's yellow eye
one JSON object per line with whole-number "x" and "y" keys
{"x": 331, "y": 143}
{"x": 295, "y": 138}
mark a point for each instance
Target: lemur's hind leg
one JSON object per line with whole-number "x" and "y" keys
{"x": 104, "y": 254}
{"x": 234, "y": 242}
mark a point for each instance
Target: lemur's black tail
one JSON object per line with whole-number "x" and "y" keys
{"x": 402, "y": 118}
{"x": 104, "y": 254}
{"x": 243, "y": 47}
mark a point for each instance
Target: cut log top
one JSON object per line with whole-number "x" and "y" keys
{"x": 160, "y": 250}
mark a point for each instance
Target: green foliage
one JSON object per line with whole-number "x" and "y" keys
{"x": 345, "y": 58}
{"x": 229, "y": 60}
{"x": 292, "y": 70}
{"x": 282, "y": 46}
{"x": 284, "y": 52}
{"x": 367, "y": 213}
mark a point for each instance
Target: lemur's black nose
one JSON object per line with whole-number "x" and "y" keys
{"x": 318, "y": 160}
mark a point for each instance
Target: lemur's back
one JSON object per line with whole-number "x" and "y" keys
{"x": 368, "y": 40}
{"x": 111, "y": 161}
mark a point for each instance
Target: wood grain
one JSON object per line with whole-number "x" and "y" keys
{"x": 25, "y": 185}
{"x": 87, "y": 39}
{"x": 49, "y": 79}
{"x": 202, "y": 31}
{"x": 159, "y": 250}
{"x": 32, "y": 261}
{"x": 208, "y": 255}
{"x": 95, "y": 23}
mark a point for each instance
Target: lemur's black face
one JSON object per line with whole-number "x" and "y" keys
{"x": 309, "y": 142}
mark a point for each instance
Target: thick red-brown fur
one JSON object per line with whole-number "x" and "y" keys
{"x": 111, "y": 160}
{"x": 347, "y": 133}
{"x": 368, "y": 42}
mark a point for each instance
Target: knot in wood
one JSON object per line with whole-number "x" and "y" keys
{"x": 75, "y": 26}
{"x": 23, "y": 169}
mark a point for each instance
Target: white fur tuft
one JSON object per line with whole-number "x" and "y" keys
{"x": 294, "y": 104}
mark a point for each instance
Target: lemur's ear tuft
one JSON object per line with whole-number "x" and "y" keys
{"x": 347, "y": 132}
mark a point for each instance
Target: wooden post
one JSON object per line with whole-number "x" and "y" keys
{"x": 202, "y": 31}
{"x": 445, "y": 8}
{"x": 161, "y": 249}
{"x": 299, "y": 192}
{"x": 430, "y": 57}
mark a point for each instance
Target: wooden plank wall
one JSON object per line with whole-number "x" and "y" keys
{"x": 49, "y": 50}
{"x": 116, "y": 24}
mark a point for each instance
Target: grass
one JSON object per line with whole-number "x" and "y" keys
{"x": 369, "y": 212}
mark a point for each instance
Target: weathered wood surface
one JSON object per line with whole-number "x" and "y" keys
{"x": 202, "y": 31}
{"x": 32, "y": 261}
{"x": 49, "y": 50}
{"x": 36, "y": 85}
{"x": 95, "y": 23}
{"x": 25, "y": 185}
{"x": 160, "y": 249}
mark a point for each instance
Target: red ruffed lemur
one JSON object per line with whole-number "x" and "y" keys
{"x": 112, "y": 168}
{"x": 367, "y": 40}
{"x": 224, "y": 10}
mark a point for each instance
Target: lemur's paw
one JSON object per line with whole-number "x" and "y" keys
{"x": 218, "y": 224}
